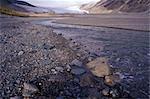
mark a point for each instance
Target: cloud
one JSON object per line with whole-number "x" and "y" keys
{"x": 58, "y": 3}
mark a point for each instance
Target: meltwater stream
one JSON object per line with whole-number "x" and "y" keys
{"x": 127, "y": 50}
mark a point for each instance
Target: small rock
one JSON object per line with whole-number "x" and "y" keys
{"x": 105, "y": 91}
{"x": 114, "y": 93}
{"x": 40, "y": 84}
{"x": 59, "y": 33}
{"x": 78, "y": 71}
{"x": 46, "y": 62}
{"x": 29, "y": 89}
{"x": 117, "y": 60}
{"x": 54, "y": 71}
{"x": 60, "y": 97}
{"x": 48, "y": 46}
{"x": 93, "y": 93}
{"x": 18, "y": 81}
{"x": 20, "y": 53}
{"x": 76, "y": 63}
{"x": 99, "y": 67}
{"x": 59, "y": 69}
{"x": 70, "y": 39}
{"x": 68, "y": 68}
{"x": 15, "y": 97}
{"x": 90, "y": 59}
{"x": 76, "y": 80}
{"x": 78, "y": 54}
{"x": 86, "y": 80}
{"x": 111, "y": 80}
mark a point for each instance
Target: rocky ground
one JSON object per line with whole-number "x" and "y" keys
{"x": 37, "y": 63}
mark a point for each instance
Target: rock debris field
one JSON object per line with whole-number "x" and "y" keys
{"x": 36, "y": 63}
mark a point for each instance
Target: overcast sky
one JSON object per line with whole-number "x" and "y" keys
{"x": 58, "y": 3}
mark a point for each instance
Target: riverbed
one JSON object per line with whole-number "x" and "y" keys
{"x": 127, "y": 50}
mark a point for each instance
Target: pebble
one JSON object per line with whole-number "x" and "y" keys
{"x": 68, "y": 68}
{"x": 59, "y": 69}
{"x": 29, "y": 89}
{"x": 40, "y": 84}
{"x": 78, "y": 54}
{"x": 99, "y": 67}
{"x": 76, "y": 80}
{"x": 48, "y": 46}
{"x": 60, "y": 97}
{"x": 117, "y": 60}
{"x": 105, "y": 91}
{"x": 78, "y": 71}
{"x": 54, "y": 71}
{"x": 86, "y": 80}
{"x": 76, "y": 63}
{"x": 70, "y": 39}
{"x": 20, "y": 53}
{"x": 15, "y": 97}
{"x": 111, "y": 80}
{"x": 46, "y": 62}
{"x": 59, "y": 33}
{"x": 90, "y": 59}
{"x": 114, "y": 93}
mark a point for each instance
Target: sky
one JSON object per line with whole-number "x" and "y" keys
{"x": 59, "y": 3}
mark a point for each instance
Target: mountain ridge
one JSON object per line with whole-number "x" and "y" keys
{"x": 110, "y": 6}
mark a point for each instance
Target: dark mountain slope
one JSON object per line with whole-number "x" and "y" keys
{"x": 12, "y": 4}
{"x": 16, "y": 6}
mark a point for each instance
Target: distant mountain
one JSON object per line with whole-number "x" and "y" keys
{"x": 8, "y": 2}
{"x": 21, "y": 7}
{"x": 110, "y": 6}
{"x": 23, "y": 3}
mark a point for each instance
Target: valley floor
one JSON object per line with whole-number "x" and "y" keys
{"x": 43, "y": 59}
{"x": 124, "y": 21}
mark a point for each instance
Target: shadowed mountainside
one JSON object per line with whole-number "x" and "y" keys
{"x": 21, "y": 8}
{"x": 107, "y": 6}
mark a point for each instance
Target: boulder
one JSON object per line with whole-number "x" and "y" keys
{"x": 99, "y": 67}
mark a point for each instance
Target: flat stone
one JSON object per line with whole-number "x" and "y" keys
{"x": 99, "y": 67}
{"x": 78, "y": 71}
{"x": 29, "y": 89}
